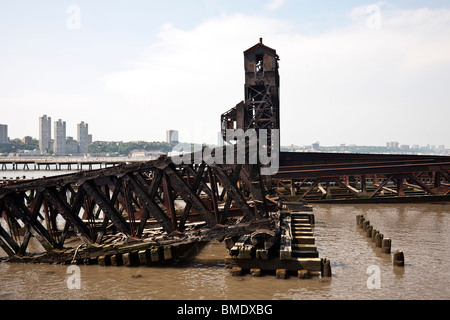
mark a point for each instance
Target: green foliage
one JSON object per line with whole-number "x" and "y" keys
{"x": 17, "y": 145}
{"x": 124, "y": 148}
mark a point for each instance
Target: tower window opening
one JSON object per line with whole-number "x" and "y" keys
{"x": 259, "y": 63}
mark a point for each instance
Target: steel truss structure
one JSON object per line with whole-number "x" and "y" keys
{"x": 127, "y": 198}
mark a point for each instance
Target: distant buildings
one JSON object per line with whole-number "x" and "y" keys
{"x": 172, "y": 136}
{"x": 61, "y": 144}
{"x": 4, "y": 133}
{"x": 392, "y": 145}
{"x": 45, "y": 133}
{"x": 315, "y": 146}
{"x": 59, "y": 140}
{"x": 83, "y": 137}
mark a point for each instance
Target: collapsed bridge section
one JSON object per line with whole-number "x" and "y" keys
{"x": 128, "y": 199}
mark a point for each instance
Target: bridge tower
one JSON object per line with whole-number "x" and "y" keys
{"x": 261, "y": 107}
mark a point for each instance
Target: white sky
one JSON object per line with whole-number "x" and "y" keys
{"x": 355, "y": 73}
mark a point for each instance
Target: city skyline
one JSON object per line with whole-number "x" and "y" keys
{"x": 172, "y": 136}
{"x": 350, "y": 72}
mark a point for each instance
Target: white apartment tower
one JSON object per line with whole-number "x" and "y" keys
{"x": 83, "y": 137}
{"x": 59, "y": 143}
{"x": 45, "y": 133}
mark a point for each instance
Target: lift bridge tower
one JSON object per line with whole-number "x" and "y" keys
{"x": 261, "y": 107}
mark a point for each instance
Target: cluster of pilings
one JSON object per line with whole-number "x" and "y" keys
{"x": 288, "y": 249}
{"x": 379, "y": 239}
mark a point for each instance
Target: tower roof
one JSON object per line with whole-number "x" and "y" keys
{"x": 262, "y": 46}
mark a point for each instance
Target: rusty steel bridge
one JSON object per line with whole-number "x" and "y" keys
{"x": 204, "y": 199}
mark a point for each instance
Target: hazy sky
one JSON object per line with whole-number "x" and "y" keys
{"x": 351, "y": 72}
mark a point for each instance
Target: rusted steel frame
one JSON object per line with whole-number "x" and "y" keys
{"x": 50, "y": 220}
{"x": 11, "y": 221}
{"x": 70, "y": 214}
{"x": 147, "y": 195}
{"x": 436, "y": 179}
{"x": 445, "y": 175}
{"x": 388, "y": 169}
{"x": 75, "y": 208}
{"x": 35, "y": 227}
{"x": 35, "y": 212}
{"x": 400, "y": 187}
{"x": 315, "y": 184}
{"x": 7, "y": 243}
{"x": 198, "y": 178}
{"x": 381, "y": 186}
{"x": 107, "y": 207}
{"x": 149, "y": 203}
{"x": 415, "y": 180}
{"x": 203, "y": 186}
{"x": 345, "y": 186}
{"x": 83, "y": 176}
{"x": 188, "y": 195}
{"x": 116, "y": 183}
{"x": 257, "y": 189}
{"x": 234, "y": 192}
{"x": 234, "y": 178}
{"x": 214, "y": 194}
{"x": 128, "y": 204}
{"x": 168, "y": 201}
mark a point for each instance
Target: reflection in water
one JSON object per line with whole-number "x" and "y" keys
{"x": 420, "y": 230}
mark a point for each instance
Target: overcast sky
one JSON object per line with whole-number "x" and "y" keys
{"x": 351, "y": 72}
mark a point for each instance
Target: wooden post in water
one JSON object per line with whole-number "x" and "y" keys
{"x": 366, "y": 223}
{"x": 326, "y": 268}
{"x": 386, "y": 245}
{"x": 399, "y": 258}
{"x": 361, "y": 221}
{"x": 374, "y": 234}
{"x": 378, "y": 240}
{"x": 369, "y": 231}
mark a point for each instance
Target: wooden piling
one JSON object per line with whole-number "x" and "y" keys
{"x": 144, "y": 257}
{"x": 303, "y": 274}
{"x": 104, "y": 261}
{"x": 369, "y": 231}
{"x": 386, "y": 245}
{"x": 366, "y": 223}
{"x": 399, "y": 258}
{"x": 255, "y": 272}
{"x": 130, "y": 259}
{"x": 116, "y": 260}
{"x": 167, "y": 250}
{"x": 361, "y": 221}
{"x": 154, "y": 254}
{"x": 326, "y": 268}
{"x": 378, "y": 239}
{"x": 281, "y": 273}
{"x": 374, "y": 234}
{"x": 236, "y": 271}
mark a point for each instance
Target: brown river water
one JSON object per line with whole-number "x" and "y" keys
{"x": 360, "y": 270}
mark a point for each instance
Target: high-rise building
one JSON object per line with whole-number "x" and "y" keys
{"x": 45, "y": 133}
{"x": 59, "y": 143}
{"x": 83, "y": 137}
{"x": 4, "y": 133}
{"x": 172, "y": 136}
